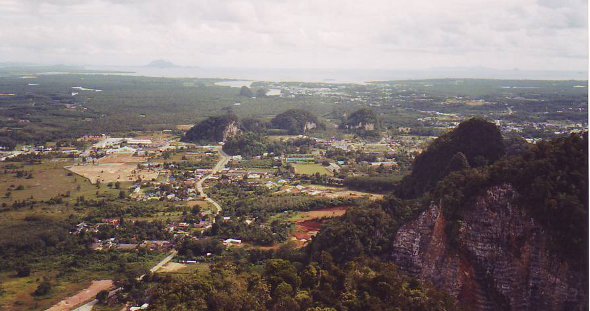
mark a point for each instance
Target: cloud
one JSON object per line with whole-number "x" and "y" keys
{"x": 528, "y": 34}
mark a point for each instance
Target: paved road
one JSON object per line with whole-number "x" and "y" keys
{"x": 88, "y": 306}
{"x": 161, "y": 263}
{"x": 217, "y": 168}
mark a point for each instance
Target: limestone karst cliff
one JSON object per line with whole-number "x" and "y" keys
{"x": 499, "y": 260}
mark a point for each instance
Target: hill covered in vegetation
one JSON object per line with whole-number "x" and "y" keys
{"x": 296, "y": 121}
{"x": 551, "y": 179}
{"x": 246, "y": 92}
{"x": 364, "y": 122}
{"x": 483, "y": 229}
{"x": 474, "y": 143}
{"x": 214, "y": 129}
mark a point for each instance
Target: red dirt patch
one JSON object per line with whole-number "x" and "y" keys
{"x": 304, "y": 230}
{"x": 310, "y": 225}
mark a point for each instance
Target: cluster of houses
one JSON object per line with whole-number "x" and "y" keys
{"x": 185, "y": 228}
{"x": 113, "y": 244}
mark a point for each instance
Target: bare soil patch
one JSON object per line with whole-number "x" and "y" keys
{"x": 310, "y": 222}
{"x": 113, "y": 168}
{"x": 83, "y": 296}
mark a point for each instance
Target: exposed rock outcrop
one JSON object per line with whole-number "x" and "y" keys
{"x": 499, "y": 260}
{"x": 231, "y": 130}
{"x": 309, "y": 126}
{"x": 363, "y": 119}
{"x": 362, "y": 126}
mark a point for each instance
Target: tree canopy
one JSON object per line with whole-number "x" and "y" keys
{"x": 363, "y": 121}
{"x": 212, "y": 129}
{"x": 474, "y": 143}
{"x": 296, "y": 121}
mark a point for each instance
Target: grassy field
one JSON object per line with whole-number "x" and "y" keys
{"x": 49, "y": 180}
{"x": 310, "y": 169}
{"x": 113, "y": 168}
{"x": 192, "y": 157}
{"x": 174, "y": 268}
{"x": 17, "y": 292}
{"x": 68, "y": 272}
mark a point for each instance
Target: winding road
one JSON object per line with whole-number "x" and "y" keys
{"x": 217, "y": 168}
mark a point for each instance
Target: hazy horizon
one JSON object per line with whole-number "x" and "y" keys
{"x": 330, "y": 75}
{"x": 544, "y": 35}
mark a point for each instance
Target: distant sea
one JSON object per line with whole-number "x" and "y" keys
{"x": 342, "y": 76}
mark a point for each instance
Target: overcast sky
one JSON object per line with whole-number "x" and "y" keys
{"x": 387, "y": 34}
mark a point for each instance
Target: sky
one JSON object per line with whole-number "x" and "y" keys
{"x": 320, "y": 34}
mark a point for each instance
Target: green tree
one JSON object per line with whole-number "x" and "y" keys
{"x": 102, "y": 296}
{"x": 43, "y": 288}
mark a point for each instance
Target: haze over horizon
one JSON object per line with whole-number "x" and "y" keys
{"x": 544, "y": 35}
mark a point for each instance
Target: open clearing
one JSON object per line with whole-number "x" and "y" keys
{"x": 310, "y": 169}
{"x": 340, "y": 192}
{"x": 50, "y": 179}
{"x": 184, "y": 127}
{"x": 114, "y": 168}
{"x": 308, "y": 224}
{"x": 172, "y": 267}
{"x": 175, "y": 268}
{"x": 324, "y": 213}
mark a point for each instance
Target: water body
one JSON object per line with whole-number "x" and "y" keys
{"x": 342, "y": 76}
{"x": 235, "y": 83}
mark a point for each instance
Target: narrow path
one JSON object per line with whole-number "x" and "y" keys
{"x": 217, "y": 168}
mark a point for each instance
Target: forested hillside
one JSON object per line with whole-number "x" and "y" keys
{"x": 296, "y": 121}
{"x": 474, "y": 143}
{"x": 551, "y": 179}
{"x": 214, "y": 129}
{"x": 364, "y": 122}
{"x": 530, "y": 208}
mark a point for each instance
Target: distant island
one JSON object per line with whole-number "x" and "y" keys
{"x": 161, "y": 63}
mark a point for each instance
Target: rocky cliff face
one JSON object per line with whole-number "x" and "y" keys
{"x": 231, "y": 130}
{"x": 309, "y": 126}
{"x": 500, "y": 260}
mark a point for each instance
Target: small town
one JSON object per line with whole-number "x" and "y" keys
{"x": 294, "y": 155}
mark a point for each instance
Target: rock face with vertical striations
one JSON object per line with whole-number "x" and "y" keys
{"x": 498, "y": 261}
